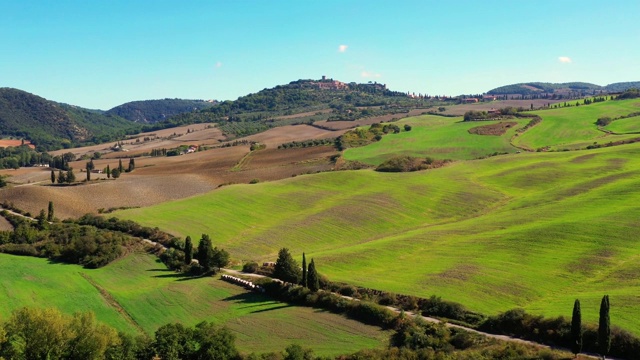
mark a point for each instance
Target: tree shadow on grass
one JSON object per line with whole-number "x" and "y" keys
{"x": 283, "y": 306}
{"x": 159, "y": 270}
{"x": 256, "y": 300}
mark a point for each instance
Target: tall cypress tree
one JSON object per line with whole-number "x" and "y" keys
{"x": 50, "y": 212}
{"x": 108, "y": 172}
{"x": 604, "y": 328}
{"x": 120, "y": 168}
{"x": 188, "y": 250}
{"x": 205, "y": 253}
{"x": 53, "y": 177}
{"x": 576, "y": 328}
{"x": 313, "y": 280}
{"x": 304, "y": 271}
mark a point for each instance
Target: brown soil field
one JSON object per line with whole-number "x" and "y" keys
{"x": 275, "y": 164}
{"x": 345, "y": 125}
{"x": 5, "y": 225}
{"x": 493, "y": 129}
{"x": 202, "y": 134}
{"x": 459, "y": 110}
{"x": 160, "y": 179}
{"x": 7, "y": 143}
{"x": 28, "y": 175}
{"x": 283, "y": 134}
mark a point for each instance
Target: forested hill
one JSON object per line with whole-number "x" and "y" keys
{"x": 346, "y": 102}
{"x": 579, "y": 88}
{"x": 50, "y": 125}
{"x": 152, "y": 111}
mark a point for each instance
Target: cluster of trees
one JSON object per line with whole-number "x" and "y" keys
{"x": 361, "y": 136}
{"x": 14, "y": 157}
{"x": 63, "y": 241}
{"x": 288, "y": 270}
{"x": 606, "y": 120}
{"x": 308, "y": 143}
{"x": 32, "y": 333}
{"x": 410, "y": 163}
{"x": 632, "y": 93}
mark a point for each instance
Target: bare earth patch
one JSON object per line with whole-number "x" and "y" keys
{"x": 498, "y": 129}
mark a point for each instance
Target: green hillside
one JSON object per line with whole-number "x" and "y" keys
{"x": 437, "y": 137}
{"x": 534, "y": 230}
{"x": 148, "y": 296}
{"x": 50, "y": 125}
{"x": 574, "y": 127}
{"x": 625, "y": 126}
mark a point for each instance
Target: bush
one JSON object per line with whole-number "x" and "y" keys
{"x": 250, "y": 267}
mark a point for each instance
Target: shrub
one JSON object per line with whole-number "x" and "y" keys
{"x": 250, "y": 267}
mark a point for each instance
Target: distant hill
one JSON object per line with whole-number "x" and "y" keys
{"x": 534, "y": 88}
{"x": 50, "y": 125}
{"x": 575, "y": 88}
{"x": 622, "y": 86}
{"x": 346, "y": 101}
{"x": 152, "y": 111}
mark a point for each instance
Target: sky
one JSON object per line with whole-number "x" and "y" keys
{"x": 100, "y": 54}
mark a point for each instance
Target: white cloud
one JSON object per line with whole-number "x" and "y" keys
{"x": 564, "y": 59}
{"x": 342, "y": 48}
{"x": 219, "y": 64}
{"x": 368, "y": 74}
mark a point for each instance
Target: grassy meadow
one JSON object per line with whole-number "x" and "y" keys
{"x": 625, "y": 126}
{"x": 574, "y": 127}
{"x": 437, "y": 137}
{"x": 152, "y": 296}
{"x": 531, "y": 230}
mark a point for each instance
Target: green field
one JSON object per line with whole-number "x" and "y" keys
{"x": 625, "y": 126}
{"x": 152, "y": 296}
{"x": 534, "y": 230}
{"x": 437, "y": 137}
{"x": 574, "y": 127}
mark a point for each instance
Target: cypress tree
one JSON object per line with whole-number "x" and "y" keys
{"x": 108, "y": 172}
{"x": 576, "y": 328}
{"x": 313, "y": 280}
{"x": 304, "y": 271}
{"x": 604, "y": 328}
{"x": 132, "y": 165}
{"x": 53, "y": 177}
{"x": 120, "y": 167}
{"x": 188, "y": 250}
{"x": 71, "y": 177}
{"x": 88, "y": 173}
{"x": 50, "y": 211}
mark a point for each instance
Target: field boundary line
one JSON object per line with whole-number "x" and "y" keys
{"x": 243, "y": 162}
{"x": 112, "y": 302}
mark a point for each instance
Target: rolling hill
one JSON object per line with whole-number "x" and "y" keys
{"x": 532, "y": 230}
{"x": 51, "y": 125}
{"x": 578, "y": 88}
{"x": 152, "y": 111}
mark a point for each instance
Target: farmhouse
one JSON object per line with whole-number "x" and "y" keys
{"x": 471, "y": 100}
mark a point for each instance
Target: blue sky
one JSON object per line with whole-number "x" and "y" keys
{"x": 99, "y": 54}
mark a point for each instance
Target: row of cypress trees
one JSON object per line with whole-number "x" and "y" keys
{"x": 604, "y": 328}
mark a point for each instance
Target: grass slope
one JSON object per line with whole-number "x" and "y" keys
{"x": 574, "y": 127}
{"x": 437, "y": 137}
{"x": 625, "y": 126}
{"x": 534, "y": 230}
{"x": 152, "y": 296}
{"x": 28, "y": 281}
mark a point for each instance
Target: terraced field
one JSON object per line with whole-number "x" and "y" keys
{"x": 437, "y": 137}
{"x": 139, "y": 294}
{"x": 574, "y": 127}
{"x": 534, "y": 230}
